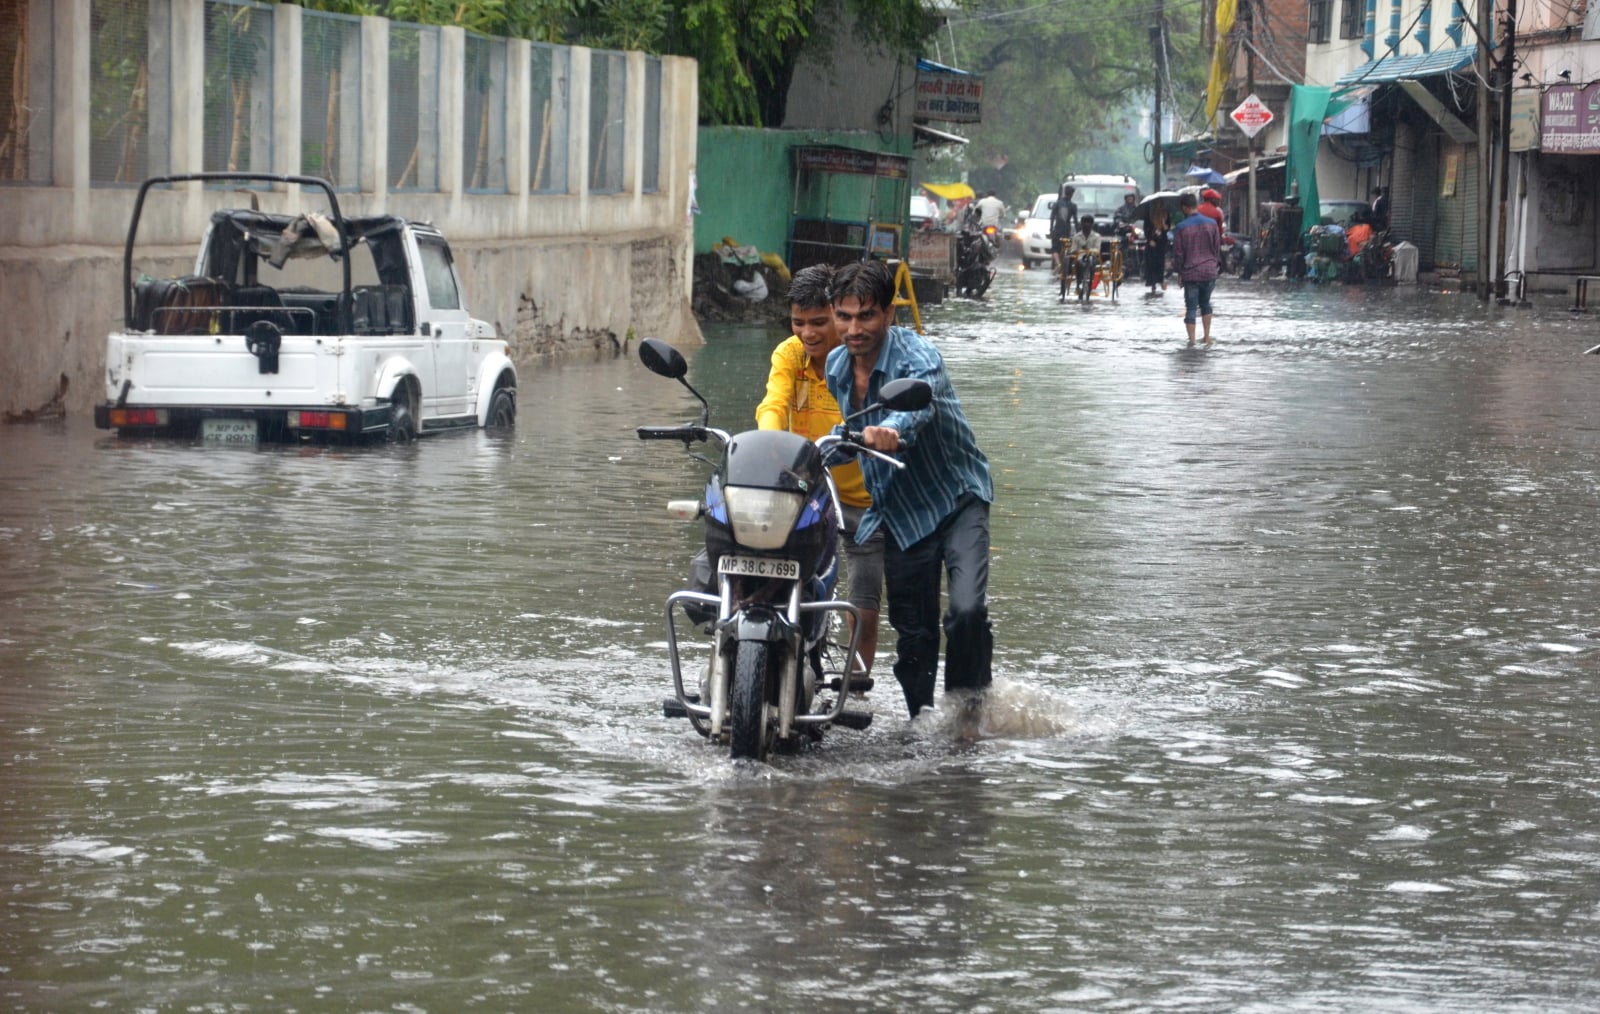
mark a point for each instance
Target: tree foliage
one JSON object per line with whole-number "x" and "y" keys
{"x": 1064, "y": 84}
{"x": 746, "y": 49}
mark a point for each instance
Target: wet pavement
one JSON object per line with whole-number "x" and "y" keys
{"x": 1296, "y": 700}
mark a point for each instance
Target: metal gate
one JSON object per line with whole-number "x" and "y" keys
{"x": 1457, "y": 207}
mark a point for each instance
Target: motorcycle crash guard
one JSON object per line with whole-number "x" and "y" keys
{"x": 758, "y": 624}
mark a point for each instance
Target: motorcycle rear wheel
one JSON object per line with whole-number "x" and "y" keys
{"x": 750, "y": 735}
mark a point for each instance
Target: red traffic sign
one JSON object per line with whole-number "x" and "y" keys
{"x": 1251, "y": 115}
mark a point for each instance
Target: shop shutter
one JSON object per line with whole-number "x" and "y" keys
{"x": 1456, "y": 242}
{"x": 1403, "y": 183}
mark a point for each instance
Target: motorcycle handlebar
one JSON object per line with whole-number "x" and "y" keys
{"x": 684, "y": 433}
{"x": 852, "y": 439}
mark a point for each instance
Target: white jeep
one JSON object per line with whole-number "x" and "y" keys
{"x": 303, "y": 325}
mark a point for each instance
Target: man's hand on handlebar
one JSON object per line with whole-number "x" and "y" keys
{"x": 881, "y": 438}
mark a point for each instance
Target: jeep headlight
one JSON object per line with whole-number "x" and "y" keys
{"x": 762, "y": 518}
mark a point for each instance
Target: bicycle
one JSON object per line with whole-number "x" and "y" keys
{"x": 1084, "y": 273}
{"x": 1112, "y": 266}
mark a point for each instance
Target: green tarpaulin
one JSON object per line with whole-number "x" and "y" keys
{"x": 1308, "y": 108}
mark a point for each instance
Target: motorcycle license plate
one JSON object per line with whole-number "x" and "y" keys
{"x": 758, "y": 566}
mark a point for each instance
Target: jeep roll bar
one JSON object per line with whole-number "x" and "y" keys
{"x": 344, "y": 308}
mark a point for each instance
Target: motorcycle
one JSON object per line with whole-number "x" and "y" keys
{"x": 975, "y": 253}
{"x": 1236, "y": 254}
{"x": 1328, "y": 254}
{"x": 1374, "y": 262}
{"x": 1279, "y": 245}
{"x": 772, "y": 523}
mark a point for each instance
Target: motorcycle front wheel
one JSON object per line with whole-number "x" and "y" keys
{"x": 750, "y": 735}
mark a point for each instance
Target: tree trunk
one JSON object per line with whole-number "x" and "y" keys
{"x": 241, "y": 97}
{"x": 480, "y": 167}
{"x": 411, "y": 167}
{"x": 133, "y": 126}
{"x": 544, "y": 148}
{"x": 330, "y": 127}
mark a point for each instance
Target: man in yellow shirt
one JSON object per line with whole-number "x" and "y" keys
{"x": 798, "y": 400}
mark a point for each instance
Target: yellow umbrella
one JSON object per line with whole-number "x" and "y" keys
{"x": 950, "y": 191}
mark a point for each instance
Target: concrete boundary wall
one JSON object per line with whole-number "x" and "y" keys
{"x": 554, "y": 273}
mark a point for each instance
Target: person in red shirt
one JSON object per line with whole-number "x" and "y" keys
{"x": 1211, "y": 205}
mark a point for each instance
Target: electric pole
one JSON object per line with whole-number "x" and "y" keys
{"x": 1485, "y": 22}
{"x": 1508, "y": 68}
{"x": 1158, "y": 51}
{"x": 1250, "y": 89}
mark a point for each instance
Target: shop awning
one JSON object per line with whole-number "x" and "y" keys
{"x": 926, "y": 135}
{"x": 949, "y": 191}
{"x": 1393, "y": 68}
{"x": 1261, "y": 167}
{"x": 1458, "y": 131}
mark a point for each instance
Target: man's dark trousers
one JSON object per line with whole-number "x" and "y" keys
{"x": 960, "y": 546}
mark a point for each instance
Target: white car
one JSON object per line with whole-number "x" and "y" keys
{"x": 923, "y": 210}
{"x": 303, "y": 324}
{"x": 1035, "y": 231}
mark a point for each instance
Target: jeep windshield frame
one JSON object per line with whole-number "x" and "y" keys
{"x": 336, "y": 217}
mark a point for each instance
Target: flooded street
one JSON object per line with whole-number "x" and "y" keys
{"x": 1297, "y": 703}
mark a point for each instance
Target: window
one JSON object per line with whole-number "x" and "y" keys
{"x": 1321, "y": 17}
{"x": 441, "y": 279}
{"x": 1351, "y": 19}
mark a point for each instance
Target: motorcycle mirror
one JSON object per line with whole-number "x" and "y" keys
{"x": 662, "y": 359}
{"x": 905, "y": 395}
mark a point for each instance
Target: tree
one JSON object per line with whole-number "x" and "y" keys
{"x": 746, "y": 49}
{"x": 1063, "y": 83}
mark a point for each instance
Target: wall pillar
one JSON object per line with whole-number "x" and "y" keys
{"x": 70, "y": 127}
{"x": 373, "y": 175}
{"x": 578, "y": 139}
{"x": 288, "y": 70}
{"x": 633, "y": 120}
{"x": 452, "y": 91}
{"x": 518, "y": 140}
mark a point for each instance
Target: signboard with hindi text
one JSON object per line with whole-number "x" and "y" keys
{"x": 948, "y": 95}
{"x": 1569, "y": 120}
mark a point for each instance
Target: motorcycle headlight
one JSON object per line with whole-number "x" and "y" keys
{"x": 762, "y": 518}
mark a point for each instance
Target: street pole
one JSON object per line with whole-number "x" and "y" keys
{"x": 1503, "y": 174}
{"x": 1485, "y": 68}
{"x": 1158, "y": 51}
{"x": 1250, "y": 89}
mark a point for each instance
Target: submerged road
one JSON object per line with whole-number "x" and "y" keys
{"x": 1298, "y": 697}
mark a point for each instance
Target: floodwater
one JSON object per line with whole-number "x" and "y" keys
{"x": 1297, "y": 705}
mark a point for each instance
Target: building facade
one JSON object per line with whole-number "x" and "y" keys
{"x": 1414, "y": 120}
{"x": 1552, "y": 224}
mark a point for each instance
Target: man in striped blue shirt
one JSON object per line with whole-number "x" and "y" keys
{"x": 936, "y": 509}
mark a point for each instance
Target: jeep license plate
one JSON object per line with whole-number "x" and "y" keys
{"x": 233, "y": 432}
{"x": 758, "y": 566}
